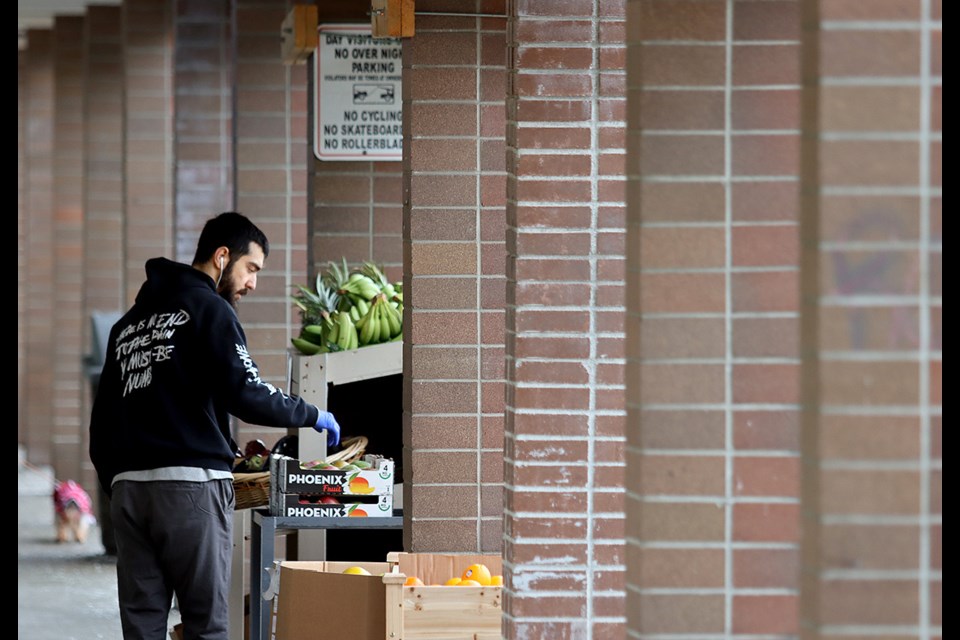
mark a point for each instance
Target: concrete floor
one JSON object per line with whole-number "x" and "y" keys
{"x": 64, "y": 591}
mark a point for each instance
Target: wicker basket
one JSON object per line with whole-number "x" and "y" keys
{"x": 251, "y": 489}
{"x": 353, "y": 450}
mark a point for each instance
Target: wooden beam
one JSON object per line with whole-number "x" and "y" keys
{"x": 298, "y": 34}
{"x": 392, "y": 18}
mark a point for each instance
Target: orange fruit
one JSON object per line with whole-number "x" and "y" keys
{"x": 413, "y": 581}
{"x": 469, "y": 583}
{"x": 496, "y": 581}
{"x": 452, "y": 582}
{"x": 477, "y": 572}
{"x": 356, "y": 571}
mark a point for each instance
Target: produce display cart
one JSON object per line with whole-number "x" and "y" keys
{"x": 316, "y": 379}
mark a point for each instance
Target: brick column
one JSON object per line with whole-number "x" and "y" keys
{"x": 103, "y": 182}
{"x": 872, "y": 320}
{"x": 271, "y": 176}
{"x": 453, "y": 258}
{"x": 39, "y": 349}
{"x": 67, "y": 282}
{"x": 203, "y": 59}
{"x": 713, "y": 374}
{"x": 148, "y": 137}
{"x": 564, "y": 452}
{"x": 22, "y": 240}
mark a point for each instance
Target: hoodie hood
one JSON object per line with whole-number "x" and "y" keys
{"x": 166, "y": 278}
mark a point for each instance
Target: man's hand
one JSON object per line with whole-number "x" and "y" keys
{"x": 326, "y": 422}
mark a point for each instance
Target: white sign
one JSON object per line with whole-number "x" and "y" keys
{"x": 357, "y": 100}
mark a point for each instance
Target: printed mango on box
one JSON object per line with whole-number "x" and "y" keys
{"x": 328, "y": 480}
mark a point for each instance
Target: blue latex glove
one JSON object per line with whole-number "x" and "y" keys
{"x": 326, "y": 422}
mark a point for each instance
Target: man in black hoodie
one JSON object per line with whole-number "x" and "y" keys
{"x": 177, "y": 367}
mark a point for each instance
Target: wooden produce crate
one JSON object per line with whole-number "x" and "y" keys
{"x": 381, "y": 606}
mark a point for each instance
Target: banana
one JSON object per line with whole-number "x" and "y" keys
{"x": 367, "y": 327}
{"x": 333, "y": 336}
{"x": 354, "y": 313}
{"x": 396, "y": 322}
{"x": 384, "y": 322}
{"x": 348, "y": 333}
{"x": 363, "y": 306}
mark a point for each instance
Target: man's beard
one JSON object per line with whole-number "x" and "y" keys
{"x": 225, "y": 287}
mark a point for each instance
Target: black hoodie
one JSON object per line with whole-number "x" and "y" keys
{"x": 177, "y": 364}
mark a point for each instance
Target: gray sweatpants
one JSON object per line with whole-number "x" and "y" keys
{"x": 173, "y": 537}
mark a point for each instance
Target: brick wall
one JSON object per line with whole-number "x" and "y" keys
{"x": 103, "y": 183}
{"x": 148, "y": 137}
{"x": 564, "y": 457}
{"x": 67, "y": 284}
{"x": 271, "y": 176}
{"x": 453, "y": 257}
{"x": 38, "y": 390}
{"x": 872, "y": 319}
{"x": 203, "y": 58}
{"x": 22, "y": 240}
{"x": 713, "y": 379}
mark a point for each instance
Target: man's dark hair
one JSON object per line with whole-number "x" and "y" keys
{"x": 231, "y": 230}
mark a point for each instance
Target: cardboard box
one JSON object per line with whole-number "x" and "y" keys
{"x": 295, "y": 505}
{"x": 316, "y": 596}
{"x": 368, "y": 482}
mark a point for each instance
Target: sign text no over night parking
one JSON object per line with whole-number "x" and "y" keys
{"x": 358, "y": 114}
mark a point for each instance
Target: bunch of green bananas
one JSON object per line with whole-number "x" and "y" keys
{"x": 350, "y": 309}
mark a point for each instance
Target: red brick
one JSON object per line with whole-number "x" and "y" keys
{"x": 767, "y": 476}
{"x": 766, "y": 337}
{"x": 766, "y": 383}
{"x": 553, "y": 138}
{"x": 772, "y": 291}
{"x": 681, "y": 383}
{"x": 662, "y": 293}
{"x": 554, "y": 165}
{"x": 530, "y": 30}
{"x": 766, "y": 568}
{"x": 661, "y": 20}
{"x": 680, "y": 65}
{"x": 553, "y": 85}
{"x": 682, "y": 155}
{"x": 878, "y": 10}
{"x": 530, "y": 110}
{"x": 874, "y": 602}
{"x": 766, "y": 522}
{"x": 766, "y": 201}
{"x": 439, "y": 83}
{"x": 681, "y": 521}
{"x": 447, "y": 48}
{"x": 767, "y": 614}
{"x": 758, "y": 20}
{"x": 683, "y": 614}
{"x": 682, "y": 202}
{"x": 532, "y": 244}
{"x": 679, "y": 247}
{"x": 445, "y": 119}
{"x": 870, "y": 492}
{"x": 682, "y": 338}
{"x": 554, "y": 58}
{"x": 869, "y": 53}
{"x": 680, "y": 475}
{"x": 869, "y": 162}
{"x": 681, "y": 110}
{"x": 766, "y": 155}
{"x": 766, "y": 64}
